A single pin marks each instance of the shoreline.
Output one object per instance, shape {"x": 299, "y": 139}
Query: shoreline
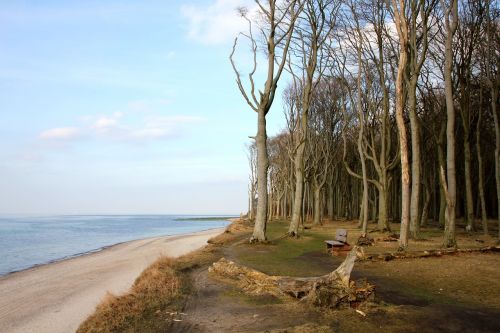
{"x": 100, "y": 249}
{"x": 35, "y": 299}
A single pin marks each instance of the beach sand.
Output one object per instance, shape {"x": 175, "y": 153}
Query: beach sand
{"x": 57, "y": 297}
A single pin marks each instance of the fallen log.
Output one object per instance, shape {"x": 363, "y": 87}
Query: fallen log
{"x": 332, "y": 290}
{"x": 425, "y": 254}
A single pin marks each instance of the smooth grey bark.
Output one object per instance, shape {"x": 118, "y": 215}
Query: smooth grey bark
{"x": 399, "y": 10}
{"x": 451, "y": 22}
{"x": 317, "y": 205}
{"x": 415, "y": 163}
{"x": 280, "y": 25}
{"x": 364, "y": 199}
{"x": 419, "y": 9}
{"x": 494, "y": 98}
{"x": 330, "y": 200}
{"x": 259, "y": 232}
{"x": 480, "y": 168}
{"x": 382, "y": 163}
{"x": 425, "y": 209}
{"x": 293, "y": 229}
{"x": 441, "y": 166}
{"x": 317, "y": 27}
{"x": 494, "y": 83}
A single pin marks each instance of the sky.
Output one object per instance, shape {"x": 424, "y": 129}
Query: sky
{"x": 123, "y": 107}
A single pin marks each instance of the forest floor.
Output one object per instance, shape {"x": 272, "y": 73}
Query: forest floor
{"x": 451, "y": 293}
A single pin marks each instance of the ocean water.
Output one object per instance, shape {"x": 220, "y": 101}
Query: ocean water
{"x": 30, "y": 241}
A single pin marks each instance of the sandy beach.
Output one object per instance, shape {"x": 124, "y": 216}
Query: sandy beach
{"x": 57, "y": 297}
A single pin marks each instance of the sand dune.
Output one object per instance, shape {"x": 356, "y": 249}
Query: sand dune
{"x": 57, "y": 297}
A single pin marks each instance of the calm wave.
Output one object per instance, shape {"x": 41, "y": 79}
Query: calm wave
{"x": 30, "y": 241}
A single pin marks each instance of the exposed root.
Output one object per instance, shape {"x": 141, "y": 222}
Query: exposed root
{"x": 332, "y": 290}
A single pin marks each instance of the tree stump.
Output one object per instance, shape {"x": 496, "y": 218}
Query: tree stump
{"x": 332, "y": 290}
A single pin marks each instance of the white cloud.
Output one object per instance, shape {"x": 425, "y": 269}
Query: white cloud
{"x": 218, "y": 23}
{"x": 112, "y": 128}
{"x": 60, "y": 133}
{"x": 104, "y": 123}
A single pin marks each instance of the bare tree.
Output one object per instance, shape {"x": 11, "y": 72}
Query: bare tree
{"x": 252, "y": 186}
{"x": 401, "y": 22}
{"x": 307, "y": 67}
{"x": 493, "y": 81}
{"x": 279, "y": 20}
{"x": 450, "y": 22}
{"x": 418, "y": 31}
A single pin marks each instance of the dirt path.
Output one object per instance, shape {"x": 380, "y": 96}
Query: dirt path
{"x": 57, "y": 297}
{"x": 400, "y": 305}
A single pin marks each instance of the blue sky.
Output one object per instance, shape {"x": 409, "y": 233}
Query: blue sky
{"x": 122, "y": 107}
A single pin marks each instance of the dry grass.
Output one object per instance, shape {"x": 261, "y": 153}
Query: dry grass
{"x": 232, "y": 232}
{"x": 157, "y": 294}
{"x": 155, "y": 291}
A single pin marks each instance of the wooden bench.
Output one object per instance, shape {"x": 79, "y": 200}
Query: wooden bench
{"x": 340, "y": 242}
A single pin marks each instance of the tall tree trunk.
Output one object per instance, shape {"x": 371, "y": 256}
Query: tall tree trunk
{"x": 401, "y": 24}
{"x": 405, "y": 165}
{"x": 364, "y": 199}
{"x": 494, "y": 98}
{"x": 250, "y": 204}
{"x": 317, "y": 205}
{"x": 465, "y": 115}
{"x": 293, "y": 229}
{"x": 425, "y": 209}
{"x": 449, "y": 230}
{"x": 270, "y": 198}
{"x": 480, "y": 170}
{"x": 259, "y": 231}
{"x": 329, "y": 200}
{"x": 383, "y": 223}
{"x": 494, "y": 82}
{"x": 415, "y": 161}
{"x": 469, "y": 203}
{"x": 441, "y": 166}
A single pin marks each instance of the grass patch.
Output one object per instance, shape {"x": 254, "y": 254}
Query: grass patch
{"x": 285, "y": 256}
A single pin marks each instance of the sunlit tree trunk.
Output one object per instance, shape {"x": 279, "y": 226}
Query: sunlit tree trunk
{"x": 451, "y": 22}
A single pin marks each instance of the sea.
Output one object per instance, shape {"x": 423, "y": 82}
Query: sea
{"x": 30, "y": 241}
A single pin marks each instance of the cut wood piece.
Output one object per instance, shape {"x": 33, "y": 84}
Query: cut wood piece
{"x": 332, "y": 290}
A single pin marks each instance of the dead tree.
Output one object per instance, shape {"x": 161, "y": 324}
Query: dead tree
{"x": 332, "y": 290}
{"x": 279, "y": 20}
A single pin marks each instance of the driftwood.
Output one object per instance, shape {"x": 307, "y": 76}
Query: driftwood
{"x": 332, "y": 290}
{"x": 426, "y": 254}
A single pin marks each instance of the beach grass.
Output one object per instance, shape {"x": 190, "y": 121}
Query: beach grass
{"x": 156, "y": 298}
{"x": 155, "y": 293}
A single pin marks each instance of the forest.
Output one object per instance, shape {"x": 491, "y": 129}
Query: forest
{"x": 391, "y": 113}
{"x": 390, "y": 143}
